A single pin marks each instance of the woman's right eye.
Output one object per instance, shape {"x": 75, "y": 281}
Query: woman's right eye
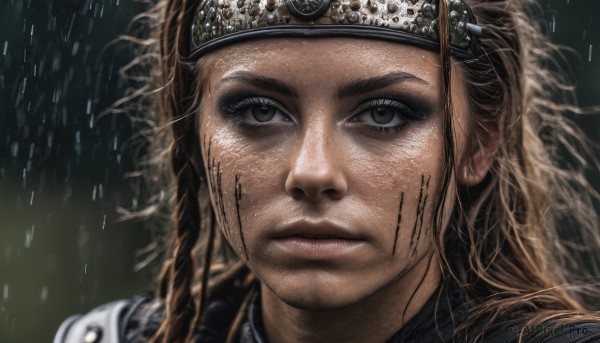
{"x": 254, "y": 111}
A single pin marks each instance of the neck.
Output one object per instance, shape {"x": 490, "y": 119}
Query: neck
{"x": 376, "y": 318}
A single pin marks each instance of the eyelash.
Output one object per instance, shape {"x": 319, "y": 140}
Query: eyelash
{"x": 234, "y": 107}
{"x": 406, "y": 112}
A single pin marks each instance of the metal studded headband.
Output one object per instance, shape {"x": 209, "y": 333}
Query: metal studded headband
{"x": 221, "y": 22}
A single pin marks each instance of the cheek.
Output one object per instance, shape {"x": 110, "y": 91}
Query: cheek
{"x": 226, "y": 188}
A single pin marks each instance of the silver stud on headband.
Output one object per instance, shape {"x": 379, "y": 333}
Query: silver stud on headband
{"x": 221, "y": 22}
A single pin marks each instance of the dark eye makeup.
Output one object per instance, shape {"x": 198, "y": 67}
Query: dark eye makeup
{"x": 382, "y": 115}
{"x": 388, "y": 115}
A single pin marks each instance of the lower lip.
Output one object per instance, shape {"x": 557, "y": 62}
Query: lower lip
{"x": 317, "y": 249}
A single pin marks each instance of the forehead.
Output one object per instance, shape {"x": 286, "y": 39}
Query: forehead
{"x": 331, "y": 59}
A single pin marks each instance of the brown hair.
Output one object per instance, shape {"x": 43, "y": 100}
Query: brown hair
{"x": 503, "y": 244}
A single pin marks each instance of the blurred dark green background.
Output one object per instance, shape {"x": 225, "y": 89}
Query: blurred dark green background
{"x": 62, "y": 168}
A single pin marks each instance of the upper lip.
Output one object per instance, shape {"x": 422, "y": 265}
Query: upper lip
{"x": 316, "y": 229}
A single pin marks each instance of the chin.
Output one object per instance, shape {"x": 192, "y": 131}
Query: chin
{"x": 316, "y": 295}
{"x": 316, "y": 302}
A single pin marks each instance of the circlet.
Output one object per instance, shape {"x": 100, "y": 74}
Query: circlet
{"x": 221, "y": 22}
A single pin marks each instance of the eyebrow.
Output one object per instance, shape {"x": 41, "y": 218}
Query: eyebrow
{"x": 358, "y": 87}
{"x": 351, "y": 88}
{"x": 264, "y": 82}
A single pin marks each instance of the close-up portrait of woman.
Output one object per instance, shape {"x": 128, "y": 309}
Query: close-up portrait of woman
{"x": 358, "y": 171}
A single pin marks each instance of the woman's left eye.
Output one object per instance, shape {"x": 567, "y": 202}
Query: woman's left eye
{"x": 262, "y": 113}
{"x": 385, "y": 114}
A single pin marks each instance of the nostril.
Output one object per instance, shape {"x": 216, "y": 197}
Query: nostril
{"x": 297, "y": 193}
{"x": 331, "y": 192}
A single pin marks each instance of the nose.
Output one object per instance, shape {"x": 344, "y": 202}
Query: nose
{"x": 315, "y": 173}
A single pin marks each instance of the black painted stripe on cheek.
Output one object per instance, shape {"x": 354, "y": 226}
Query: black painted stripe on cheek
{"x": 422, "y": 212}
{"x": 398, "y": 223}
{"x": 414, "y": 231}
{"x": 238, "y": 197}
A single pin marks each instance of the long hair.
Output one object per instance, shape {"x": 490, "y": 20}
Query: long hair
{"x": 503, "y": 246}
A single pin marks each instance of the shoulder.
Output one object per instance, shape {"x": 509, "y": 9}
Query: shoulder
{"x": 105, "y": 323}
{"x": 136, "y": 320}
{"x": 585, "y": 332}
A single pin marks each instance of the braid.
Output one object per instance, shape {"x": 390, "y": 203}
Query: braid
{"x": 175, "y": 284}
{"x": 180, "y": 305}
{"x": 176, "y": 101}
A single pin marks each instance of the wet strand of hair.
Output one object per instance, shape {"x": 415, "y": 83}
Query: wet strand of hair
{"x": 398, "y": 223}
{"x": 238, "y": 197}
{"x": 418, "y": 287}
{"x": 422, "y": 211}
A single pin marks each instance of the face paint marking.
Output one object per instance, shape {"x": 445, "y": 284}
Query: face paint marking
{"x": 422, "y": 211}
{"x": 238, "y": 197}
{"x": 220, "y": 193}
{"x": 414, "y": 230}
{"x": 398, "y": 224}
{"x": 216, "y": 189}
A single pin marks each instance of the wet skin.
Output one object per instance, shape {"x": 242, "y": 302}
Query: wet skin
{"x": 324, "y": 160}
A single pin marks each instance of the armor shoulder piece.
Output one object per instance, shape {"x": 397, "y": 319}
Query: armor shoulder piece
{"x": 104, "y": 324}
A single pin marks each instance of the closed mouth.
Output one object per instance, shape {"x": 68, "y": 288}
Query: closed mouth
{"x": 317, "y": 236}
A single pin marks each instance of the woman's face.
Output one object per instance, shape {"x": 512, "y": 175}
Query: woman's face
{"x": 324, "y": 160}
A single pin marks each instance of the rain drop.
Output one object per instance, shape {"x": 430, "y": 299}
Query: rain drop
{"x": 24, "y": 85}
{"x": 104, "y": 222}
{"x": 590, "y": 53}
{"x": 5, "y": 47}
{"x": 14, "y": 149}
{"x": 75, "y": 49}
{"x": 29, "y": 237}
{"x": 50, "y": 139}
{"x": 89, "y": 106}
{"x": 5, "y": 295}
{"x": 44, "y": 294}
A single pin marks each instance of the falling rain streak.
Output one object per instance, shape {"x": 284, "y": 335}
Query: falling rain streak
{"x": 64, "y": 172}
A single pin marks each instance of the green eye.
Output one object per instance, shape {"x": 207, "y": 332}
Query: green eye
{"x": 263, "y": 113}
{"x": 382, "y": 115}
